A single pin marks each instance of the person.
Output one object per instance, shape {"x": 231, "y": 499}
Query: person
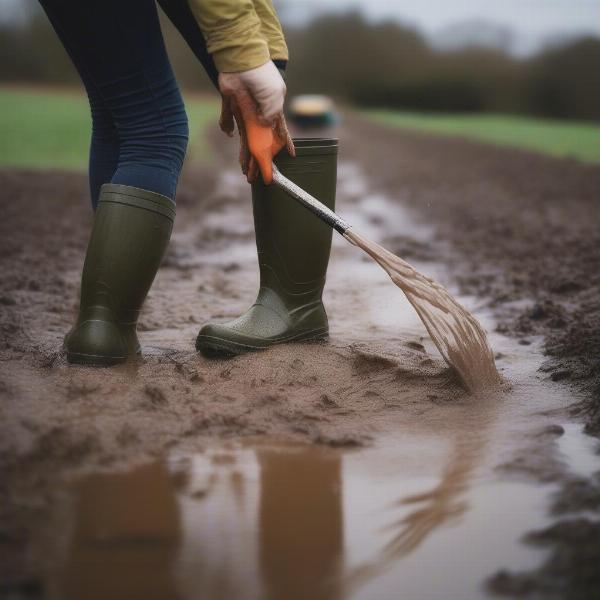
{"x": 138, "y": 144}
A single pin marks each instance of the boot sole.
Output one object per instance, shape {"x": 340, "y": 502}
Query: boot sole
{"x": 97, "y": 360}
{"x": 213, "y": 347}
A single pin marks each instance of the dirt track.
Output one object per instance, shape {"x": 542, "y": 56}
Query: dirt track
{"x": 518, "y": 230}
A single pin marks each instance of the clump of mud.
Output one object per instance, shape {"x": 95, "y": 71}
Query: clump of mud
{"x": 571, "y": 572}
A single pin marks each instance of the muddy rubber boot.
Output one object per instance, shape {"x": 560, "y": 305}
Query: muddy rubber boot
{"x": 131, "y": 231}
{"x": 293, "y": 252}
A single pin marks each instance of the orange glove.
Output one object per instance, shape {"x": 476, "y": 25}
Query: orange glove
{"x": 260, "y": 141}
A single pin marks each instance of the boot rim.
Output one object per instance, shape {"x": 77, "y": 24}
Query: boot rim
{"x": 137, "y": 197}
{"x": 313, "y": 146}
{"x": 315, "y": 141}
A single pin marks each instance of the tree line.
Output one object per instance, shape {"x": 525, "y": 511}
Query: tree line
{"x": 370, "y": 64}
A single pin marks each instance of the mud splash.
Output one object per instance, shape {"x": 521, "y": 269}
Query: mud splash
{"x": 455, "y": 331}
{"x": 458, "y": 335}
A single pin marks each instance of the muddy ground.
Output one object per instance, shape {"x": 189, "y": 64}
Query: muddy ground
{"x": 521, "y": 230}
{"x": 518, "y": 230}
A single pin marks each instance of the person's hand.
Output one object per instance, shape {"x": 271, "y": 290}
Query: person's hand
{"x": 255, "y": 96}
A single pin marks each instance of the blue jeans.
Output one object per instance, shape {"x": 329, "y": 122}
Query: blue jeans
{"x": 139, "y": 123}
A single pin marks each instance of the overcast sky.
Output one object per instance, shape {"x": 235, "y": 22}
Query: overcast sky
{"x": 534, "y": 19}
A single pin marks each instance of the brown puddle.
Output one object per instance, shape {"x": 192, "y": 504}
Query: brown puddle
{"x": 265, "y": 519}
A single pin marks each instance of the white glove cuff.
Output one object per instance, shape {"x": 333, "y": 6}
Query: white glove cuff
{"x": 267, "y": 87}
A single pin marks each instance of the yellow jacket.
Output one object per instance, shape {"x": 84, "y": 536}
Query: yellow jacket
{"x": 240, "y": 34}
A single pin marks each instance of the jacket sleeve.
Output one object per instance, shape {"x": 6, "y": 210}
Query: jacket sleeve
{"x": 271, "y": 29}
{"x": 240, "y": 34}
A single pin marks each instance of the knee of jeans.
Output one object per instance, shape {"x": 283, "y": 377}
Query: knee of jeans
{"x": 156, "y": 138}
{"x": 103, "y": 125}
{"x": 177, "y": 139}
{"x": 183, "y": 132}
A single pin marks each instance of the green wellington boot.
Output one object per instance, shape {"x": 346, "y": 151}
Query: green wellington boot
{"x": 131, "y": 231}
{"x": 293, "y": 252}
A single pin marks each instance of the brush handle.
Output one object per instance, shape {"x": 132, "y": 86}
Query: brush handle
{"x": 317, "y": 208}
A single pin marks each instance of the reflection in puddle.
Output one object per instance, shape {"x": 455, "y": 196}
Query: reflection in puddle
{"x": 300, "y": 520}
{"x": 287, "y": 521}
{"x": 423, "y": 512}
{"x": 125, "y": 539}
{"x": 267, "y": 524}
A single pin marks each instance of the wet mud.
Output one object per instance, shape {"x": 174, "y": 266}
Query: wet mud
{"x": 378, "y": 386}
{"x": 520, "y": 229}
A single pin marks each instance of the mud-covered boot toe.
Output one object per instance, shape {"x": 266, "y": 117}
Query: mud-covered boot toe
{"x": 255, "y": 330}
{"x": 220, "y": 341}
{"x": 263, "y": 325}
{"x": 95, "y": 342}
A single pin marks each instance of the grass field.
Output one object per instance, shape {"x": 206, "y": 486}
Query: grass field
{"x": 558, "y": 138}
{"x": 51, "y": 129}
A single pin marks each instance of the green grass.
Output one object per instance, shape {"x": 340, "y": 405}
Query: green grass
{"x": 577, "y": 139}
{"x": 201, "y": 114}
{"x": 51, "y": 129}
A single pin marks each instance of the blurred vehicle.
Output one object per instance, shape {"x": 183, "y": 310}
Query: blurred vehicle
{"x": 309, "y": 111}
